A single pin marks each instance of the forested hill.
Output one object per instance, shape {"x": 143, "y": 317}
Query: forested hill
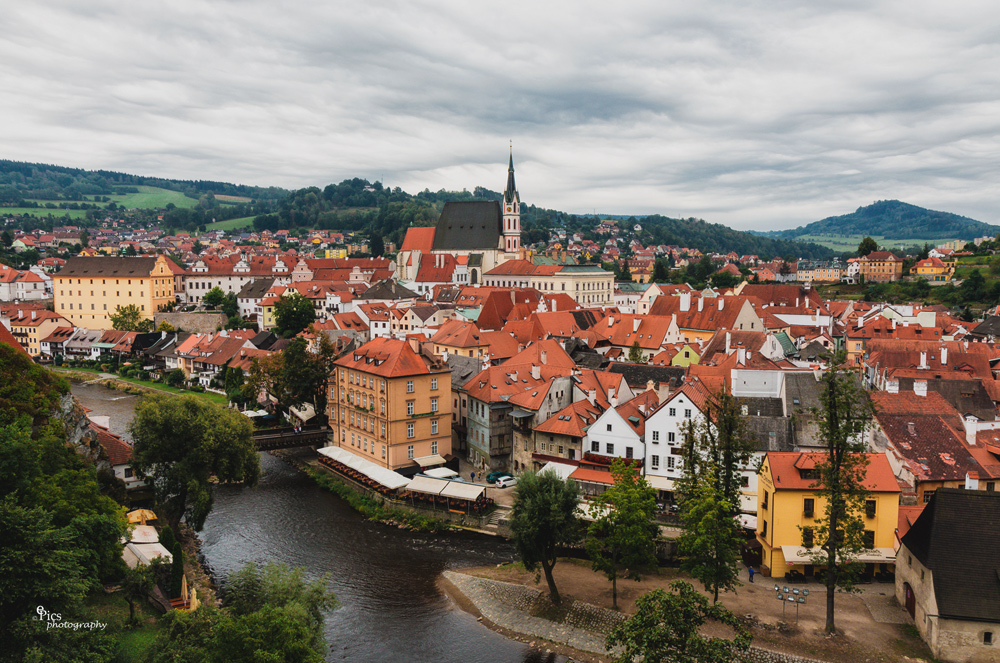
{"x": 20, "y": 181}
{"x": 723, "y": 239}
{"x": 892, "y": 219}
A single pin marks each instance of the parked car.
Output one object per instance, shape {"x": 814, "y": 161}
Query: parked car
{"x": 493, "y": 476}
{"x": 507, "y": 481}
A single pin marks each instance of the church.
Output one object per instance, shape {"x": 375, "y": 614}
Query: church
{"x": 470, "y": 238}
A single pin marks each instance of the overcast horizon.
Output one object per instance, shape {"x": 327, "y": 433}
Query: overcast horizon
{"x": 761, "y": 117}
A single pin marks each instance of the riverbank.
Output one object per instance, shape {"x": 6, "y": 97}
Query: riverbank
{"x": 127, "y": 385}
{"x": 510, "y": 601}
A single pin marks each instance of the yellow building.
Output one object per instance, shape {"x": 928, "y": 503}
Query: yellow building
{"x": 391, "y": 405}
{"x": 30, "y": 326}
{"x": 789, "y": 508}
{"x": 335, "y": 253}
{"x": 934, "y": 269}
{"x": 686, "y": 356}
{"x": 89, "y": 290}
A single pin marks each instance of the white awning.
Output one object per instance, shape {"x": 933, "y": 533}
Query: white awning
{"x": 441, "y": 473}
{"x": 748, "y": 503}
{"x": 144, "y": 534}
{"x": 426, "y": 485}
{"x": 800, "y": 555}
{"x": 305, "y": 413}
{"x": 660, "y": 483}
{"x": 386, "y": 477}
{"x": 144, "y": 553}
{"x": 430, "y": 461}
{"x": 747, "y": 521}
{"x": 463, "y": 491}
{"x": 562, "y": 470}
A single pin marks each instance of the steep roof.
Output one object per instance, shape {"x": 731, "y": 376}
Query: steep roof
{"x": 389, "y": 357}
{"x": 787, "y": 466}
{"x": 955, "y": 537}
{"x": 418, "y": 239}
{"x": 929, "y": 447}
{"x": 8, "y": 338}
{"x": 107, "y": 267}
{"x": 469, "y": 226}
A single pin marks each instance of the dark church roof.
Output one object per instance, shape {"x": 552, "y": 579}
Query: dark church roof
{"x": 469, "y": 226}
{"x": 955, "y": 537}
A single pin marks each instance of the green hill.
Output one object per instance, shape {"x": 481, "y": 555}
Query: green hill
{"x": 895, "y": 222}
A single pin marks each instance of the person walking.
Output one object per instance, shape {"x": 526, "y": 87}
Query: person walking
{"x": 751, "y": 571}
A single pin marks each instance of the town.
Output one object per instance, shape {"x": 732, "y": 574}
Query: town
{"x": 463, "y": 360}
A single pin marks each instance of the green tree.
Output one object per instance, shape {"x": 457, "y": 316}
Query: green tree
{"x": 710, "y": 542}
{"x": 624, "y": 272}
{"x": 138, "y": 582}
{"x": 292, "y": 314}
{"x": 661, "y": 273}
{"x": 544, "y": 518}
{"x": 844, "y": 416}
{"x": 84, "y": 238}
{"x": 7, "y": 237}
{"x": 181, "y": 443}
{"x": 214, "y": 297}
{"x": 867, "y": 245}
{"x": 376, "y": 246}
{"x": 230, "y": 305}
{"x": 622, "y": 537}
{"x": 635, "y": 353}
{"x": 667, "y": 628}
{"x": 175, "y": 378}
{"x": 165, "y": 327}
{"x": 129, "y": 318}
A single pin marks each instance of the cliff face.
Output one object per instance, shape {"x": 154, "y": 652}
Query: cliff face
{"x": 79, "y": 434}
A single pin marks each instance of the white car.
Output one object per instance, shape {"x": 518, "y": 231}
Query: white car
{"x": 504, "y": 482}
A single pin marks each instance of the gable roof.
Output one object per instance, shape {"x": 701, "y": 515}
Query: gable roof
{"x": 468, "y": 226}
{"x": 786, "y": 466}
{"x": 955, "y": 537}
{"x": 389, "y": 357}
{"x": 418, "y": 239}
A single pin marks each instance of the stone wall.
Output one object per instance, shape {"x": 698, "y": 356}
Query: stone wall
{"x": 200, "y": 323}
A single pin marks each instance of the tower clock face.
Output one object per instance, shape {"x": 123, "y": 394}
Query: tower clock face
{"x": 508, "y": 208}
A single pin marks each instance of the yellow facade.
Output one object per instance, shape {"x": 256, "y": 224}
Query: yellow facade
{"x": 783, "y": 513}
{"x": 391, "y": 421}
{"x": 29, "y": 333}
{"x": 930, "y": 272}
{"x": 87, "y": 297}
{"x": 685, "y": 357}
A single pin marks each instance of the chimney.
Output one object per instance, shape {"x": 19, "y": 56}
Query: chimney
{"x": 728, "y": 340}
{"x": 611, "y": 393}
{"x": 722, "y": 303}
{"x": 741, "y": 356}
{"x": 614, "y": 401}
{"x": 701, "y": 304}
{"x": 892, "y": 386}
{"x": 611, "y": 321}
{"x": 553, "y": 304}
{"x": 923, "y": 360}
{"x": 686, "y": 301}
{"x": 636, "y": 321}
{"x": 514, "y": 376}
{"x": 920, "y": 387}
{"x": 944, "y": 356}
{"x": 592, "y": 396}
{"x": 542, "y": 356}
{"x": 444, "y": 356}
{"x": 536, "y": 372}
{"x": 33, "y": 313}
{"x": 894, "y": 324}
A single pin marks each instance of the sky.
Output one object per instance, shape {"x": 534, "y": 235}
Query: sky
{"x": 758, "y": 115}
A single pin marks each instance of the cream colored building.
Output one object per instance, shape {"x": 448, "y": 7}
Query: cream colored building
{"x": 89, "y": 290}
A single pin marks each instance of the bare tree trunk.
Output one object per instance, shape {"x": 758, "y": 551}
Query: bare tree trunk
{"x": 553, "y": 592}
{"x": 614, "y": 591}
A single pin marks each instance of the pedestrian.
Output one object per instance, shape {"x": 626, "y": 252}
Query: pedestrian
{"x": 751, "y": 574}
{"x": 473, "y": 474}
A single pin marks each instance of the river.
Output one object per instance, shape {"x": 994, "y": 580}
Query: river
{"x": 385, "y": 579}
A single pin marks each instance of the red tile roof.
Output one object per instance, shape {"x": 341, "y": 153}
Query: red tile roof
{"x": 390, "y": 358}
{"x": 785, "y": 471}
{"x": 419, "y": 239}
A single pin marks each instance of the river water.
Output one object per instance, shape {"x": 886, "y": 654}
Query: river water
{"x": 385, "y": 579}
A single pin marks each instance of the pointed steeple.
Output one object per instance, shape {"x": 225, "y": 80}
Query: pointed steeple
{"x": 511, "y": 193}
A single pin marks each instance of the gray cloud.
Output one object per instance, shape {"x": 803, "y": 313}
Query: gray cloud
{"x": 756, "y": 116}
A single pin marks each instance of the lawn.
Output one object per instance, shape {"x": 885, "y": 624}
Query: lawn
{"x": 231, "y": 224}
{"x": 850, "y": 242}
{"x": 151, "y": 197}
{"x": 112, "y": 610}
{"x": 43, "y": 212}
{"x": 218, "y": 399}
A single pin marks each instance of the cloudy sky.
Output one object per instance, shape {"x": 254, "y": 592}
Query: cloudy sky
{"x": 754, "y": 114}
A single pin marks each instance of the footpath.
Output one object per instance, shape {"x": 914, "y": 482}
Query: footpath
{"x": 507, "y": 606}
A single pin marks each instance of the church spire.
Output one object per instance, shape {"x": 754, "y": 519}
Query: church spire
{"x": 511, "y": 193}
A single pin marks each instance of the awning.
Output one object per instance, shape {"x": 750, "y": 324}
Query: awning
{"x": 521, "y": 414}
{"x": 800, "y": 555}
{"x": 426, "y": 485}
{"x": 305, "y": 413}
{"x": 441, "y": 473}
{"x": 144, "y": 534}
{"x": 660, "y": 483}
{"x": 386, "y": 477}
{"x": 748, "y": 503}
{"x": 140, "y": 516}
{"x": 584, "y": 475}
{"x": 463, "y": 491}
{"x": 430, "y": 461}
{"x": 562, "y": 470}
{"x": 748, "y": 522}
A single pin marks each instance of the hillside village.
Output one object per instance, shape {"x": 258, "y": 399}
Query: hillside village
{"x": 468, "y": 347}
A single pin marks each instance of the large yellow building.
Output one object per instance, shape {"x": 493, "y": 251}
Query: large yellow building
{"x": 789, "y": 508}
{"x": 391, "y": 405}
{"x": 30, "y": 326}
{"x": 89, "y": 290}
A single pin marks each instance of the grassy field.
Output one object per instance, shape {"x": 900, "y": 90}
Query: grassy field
{"x": 151, "y": 197}
{"x": 850, "y": 242}
{"x": 43, "y": 212}
{"x": 218, "y": 399}
{"x": 112, "y": 610}
{"x": 231, "y": 224}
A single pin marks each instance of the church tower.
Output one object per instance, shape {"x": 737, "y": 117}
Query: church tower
{"x": 511, "y": 212}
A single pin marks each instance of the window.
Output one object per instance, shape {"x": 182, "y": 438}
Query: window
{"x": 409, "y": 451}
{"x": 671, "y": 437}
{"x": 628, "y": 452}
{"x": 927, "y": 496}
{"x": 409, "y": 408}
{"x": 764, "y": 505}
{"x": 434, "y": 429}
{"x": 655, "y": 462}
{"x": 434, "y": 384}
{"x": 763, "y": 529}
{"x": 409, "y": 386}
{"x": 434, "y": 405}
{"x": 808, "y": 505}
{"x": 869, "y": 539}
{"x": 595, "y": 446}
{"x": 610, "y": 449}
{"x": 128, "y": 472}
{"x": 673, "y": 412}
{"x": 687, "y": 414}
{"x": 609, "y": 428}
{"x": 807, "y": 537}
{"x": 745, "y": 481}
{"x": 434, "y": 446}
{"x": 870, "y": 508}
{"x": 987, "y": 637}
{"x": 409, "y": 431}
{"x": 656, "y": 436}
{"x": 671, "y": 462}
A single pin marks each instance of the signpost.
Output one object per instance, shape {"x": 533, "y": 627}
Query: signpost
{"x": 786, "y": 596}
